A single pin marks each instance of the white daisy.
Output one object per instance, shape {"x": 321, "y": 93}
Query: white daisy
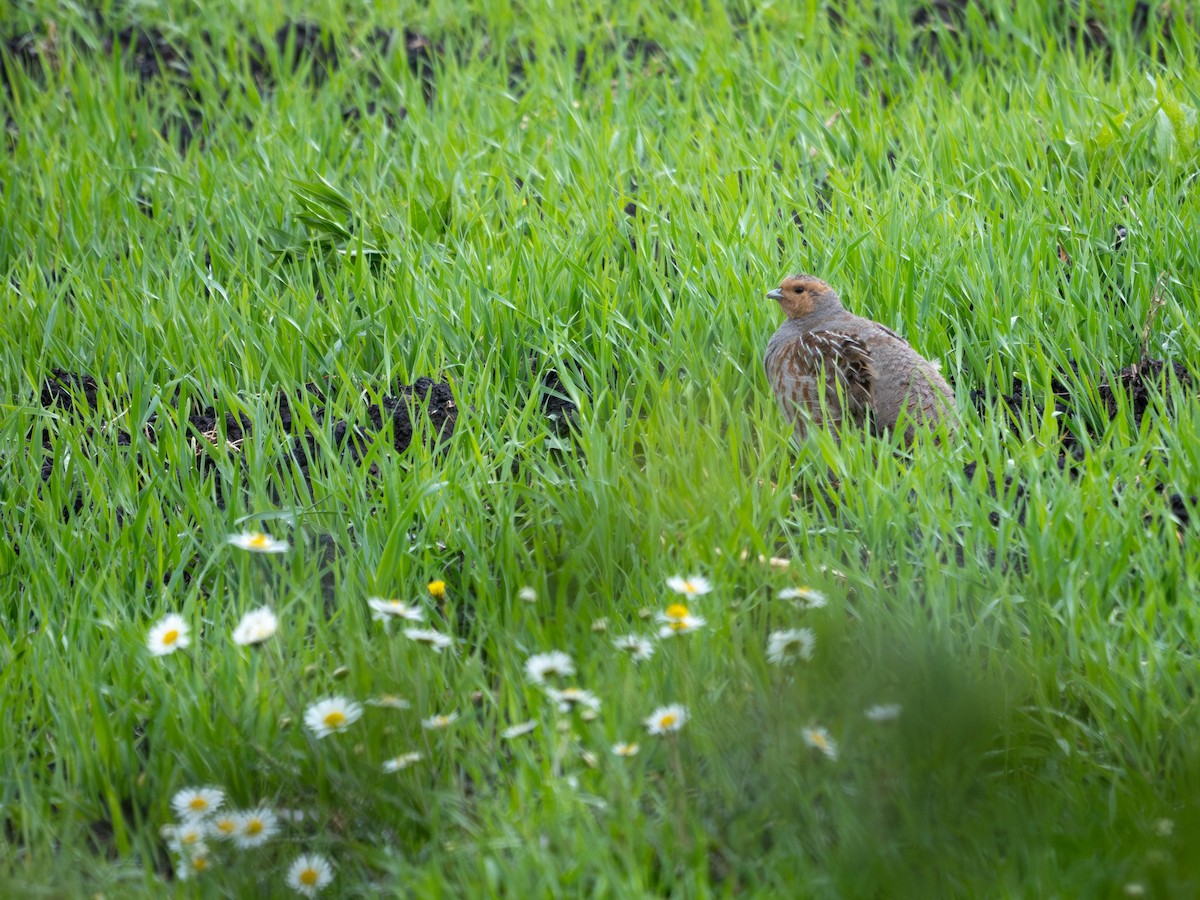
{"x": 197, "y": 802}
{"x": 255, "y": 827}
{"x": 196, "y": 860}
{"x": 639, "y": 648}
{"x": 331, "y": 714}
{"x": 625, "y": 749}
{"x": 785, "y": 647}
{"x": 667, "y": 719}
{"x": 224, "y": 825}
{"x": 310, "y": 874}
{"x": 691, "y": 586}
{"x": 884, "y": 712}
{"x": 389, "y": 701}
{"x": 435, "y": 723}
{"x": 819, "y": 739}
{"x": 187, "y": 835}
{"x": 435, "y": 640}
{"x": 256, "y": 626}
{"x": 257, "y": 542}
{"x": 804, "y": 597}
{"x": 403, "y": 761}
{"x": 572, "y": 698}
{"x": 554, "y": 664}
{"x": 383, "y": 609}
{"x": 677, "y": 620}
{"x": 169, "y": 635}
{"x": 515, "y": 731}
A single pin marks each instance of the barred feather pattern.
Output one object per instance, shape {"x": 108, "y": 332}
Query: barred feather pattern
{"x": 849, "y": 372}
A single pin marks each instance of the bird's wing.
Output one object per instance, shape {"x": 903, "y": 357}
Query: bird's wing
{"x": 794, "y": 368}
{"x": 887, "y": 330}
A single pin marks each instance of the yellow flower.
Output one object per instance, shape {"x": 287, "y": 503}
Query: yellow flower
{"x": 677, "y": 620}
{"x": 437, "y": 589}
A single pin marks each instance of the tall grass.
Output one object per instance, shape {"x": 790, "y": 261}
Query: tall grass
{"x": 606, "y": 192}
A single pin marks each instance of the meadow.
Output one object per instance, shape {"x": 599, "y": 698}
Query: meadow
{"x": 463, "y": 305}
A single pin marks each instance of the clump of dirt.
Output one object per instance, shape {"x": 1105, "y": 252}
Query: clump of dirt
{"x": 151, "y": 53}
{"x": 1136, "y": 384}
{"x": 424, "y": 410}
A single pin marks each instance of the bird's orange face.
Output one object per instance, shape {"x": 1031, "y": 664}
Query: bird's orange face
{"x": 798, "y": 295}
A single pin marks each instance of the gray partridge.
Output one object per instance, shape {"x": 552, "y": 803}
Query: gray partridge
{"x": 830, "y": 367}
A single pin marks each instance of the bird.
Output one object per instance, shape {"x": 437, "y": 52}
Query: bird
{"x": 829, "y": 367}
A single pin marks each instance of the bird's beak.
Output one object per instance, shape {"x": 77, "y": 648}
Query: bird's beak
{"x": 776, "y": 294}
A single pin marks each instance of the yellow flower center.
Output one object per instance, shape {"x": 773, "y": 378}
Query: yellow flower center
{"x": 308, "y": 877}
{"x": 441, "y": 721}
{"x": 819, "y": 739}
{"x": 168, "y": 639}
{"x": 253, "y": 827}
{"x": 677, "y": 611}
{"x": 668, "y": 720}
{"x": 335, "y": 718}
{"x": 226, "y": 826}
{"x": 199, "y": 863}
{"x": 258, "y": 540}
{"x": 191, "y": 837}
{"x": 198, "y": 804}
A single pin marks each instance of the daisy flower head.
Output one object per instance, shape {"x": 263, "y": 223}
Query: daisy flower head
{"x": 436, "y": 723}
{"x": 310, "y": 874}
{"x": 434, "y": 640}
{"x": 403, "y": 761}
{"x": 515, "y": 731}
{"x": 677, "y": 620}
{"x": 554, "y": 664}
{"x": 803, "y": 597}
{"x": 255, "y": 828}
{"x": 197, "y": 802}
{"x": 258, "y": 542}
{"x": 224, "y": 826}
{"x": 883, "y": 712}
{"x": 437, "y": 589}
{"x": 667, "y": 719}
{"x": 625, "y": 749}
{"x": 256, "y": 626}
{"x": 571, "y": 698}
{"x": 189, "y": 834}
{"x": 383, "y": 608}
{"x": 389, "y": 701}
{"x": 819, "y": 739}
{"x": 194, "y": 861}
{"x": 330, "y": 715}
{"x": 691, "y": 586}
{"x": 169, "y": 635}
{"x": 639, "y": 648}
{"x": 787, "y": 646}
{"x": 527, "y": 595}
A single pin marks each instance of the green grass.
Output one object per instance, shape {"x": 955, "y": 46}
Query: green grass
{"x": 939, "y": 175}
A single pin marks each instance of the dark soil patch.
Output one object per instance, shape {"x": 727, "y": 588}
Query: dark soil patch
{"x": 150, "y": 53}
{"x": 1136, "y": 383}
{"x": 421, "y": 52}
{"x": 424, "y": 410}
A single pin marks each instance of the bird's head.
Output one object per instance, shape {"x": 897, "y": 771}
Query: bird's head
{"x": 799, "y": 295}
